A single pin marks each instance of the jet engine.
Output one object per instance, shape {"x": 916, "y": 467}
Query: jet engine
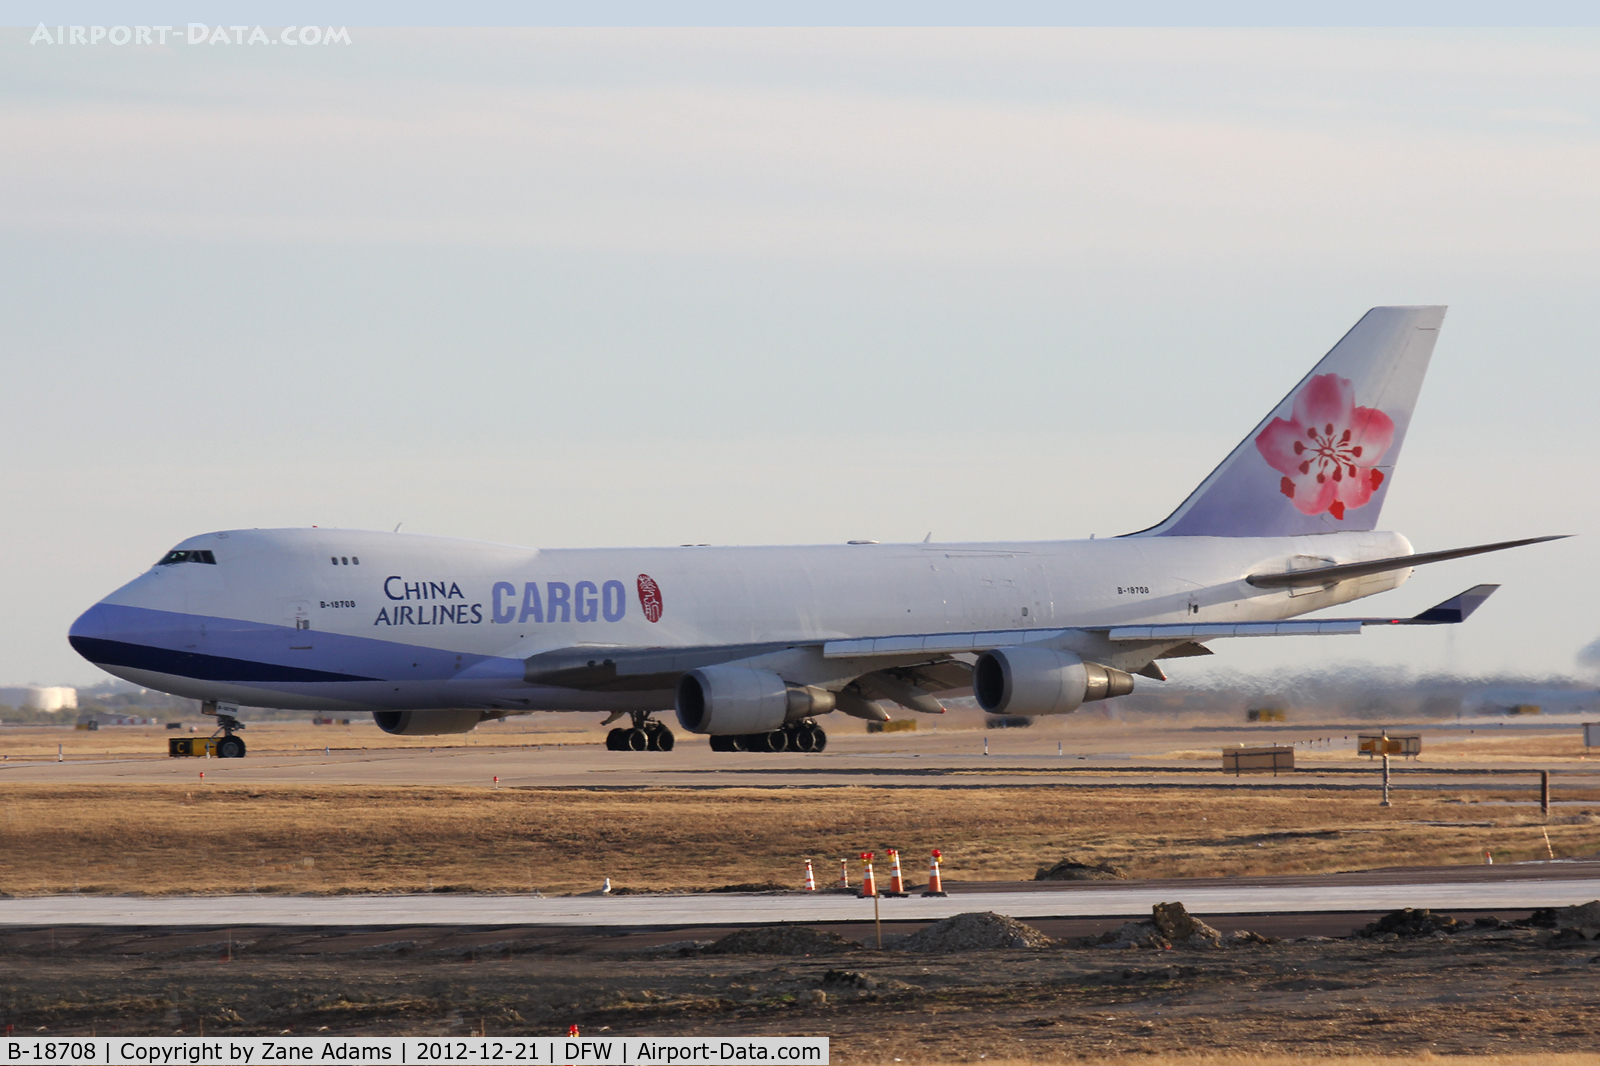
{"x": 1032, "y": 681}
{"x": 728, "y": 700}
{"x": 428, "y": 723}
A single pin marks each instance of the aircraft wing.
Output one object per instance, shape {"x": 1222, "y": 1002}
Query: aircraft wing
{"x": 623, "y": 669}
{"x": 603, "y": 668}
{"x": 1455, "y": 609}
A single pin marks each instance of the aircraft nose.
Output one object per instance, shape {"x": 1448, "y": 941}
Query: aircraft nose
{"x": 91, "y": 630}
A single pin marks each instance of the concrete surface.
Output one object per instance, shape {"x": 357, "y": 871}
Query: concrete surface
{"x": 1519, "y": 886}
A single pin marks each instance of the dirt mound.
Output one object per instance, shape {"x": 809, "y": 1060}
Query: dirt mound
{"x": 755, "y": 886}
{"x": 974, "y": 931}
{"x": 1583, "y": 916}
{"x": 1179, "y": 926}
{"x": 1410, "y": 922}
{"x": 1141, "y": 934}
{"x": 782, "y": 940}
{"x": 855, "y": 979}
{"x": 1571, "y": 924}
{"x": 1070, "y": 869}
{"x": 1169, "y": 925}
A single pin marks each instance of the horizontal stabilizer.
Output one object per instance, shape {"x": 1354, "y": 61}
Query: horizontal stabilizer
{"x": 1452, "y": 611}
{"x": 1328, "y": 575}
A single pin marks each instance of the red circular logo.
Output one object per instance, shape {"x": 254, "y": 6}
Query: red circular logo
{"x": 650, "y": 597}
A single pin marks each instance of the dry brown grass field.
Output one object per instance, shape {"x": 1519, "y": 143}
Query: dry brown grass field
{"x": 1484, "y": 749}
{"x": 1532, "y": 751}
{"x": 324, "y": 839}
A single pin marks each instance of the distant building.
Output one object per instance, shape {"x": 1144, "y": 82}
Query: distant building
{"x": 105, "y": 718}
{"x": 40, "y": 697}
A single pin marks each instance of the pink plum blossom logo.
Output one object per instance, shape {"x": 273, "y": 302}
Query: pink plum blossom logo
{"x": 1329, "y": 450}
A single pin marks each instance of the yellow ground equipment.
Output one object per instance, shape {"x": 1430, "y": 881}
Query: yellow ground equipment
{"x": 227, "y": 746}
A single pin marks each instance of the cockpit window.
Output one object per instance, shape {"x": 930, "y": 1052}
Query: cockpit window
{"x": 187, "y": 557}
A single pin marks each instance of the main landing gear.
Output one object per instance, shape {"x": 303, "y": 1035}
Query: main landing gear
{"x": 806, "y": 736}
{"x": 647, "y": 734}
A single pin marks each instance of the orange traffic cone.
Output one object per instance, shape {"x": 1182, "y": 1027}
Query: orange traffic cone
{"x": 844, "y": 873}
{"x": 935, "y": 885}
{"x": 869, "y": 886}
{"x": 572, "y": 1030}
{"x": 811, "y": 882}
{"x": 897, "y": 883}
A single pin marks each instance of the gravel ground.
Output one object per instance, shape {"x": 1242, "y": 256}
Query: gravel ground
{"x": 1499, "y": 989}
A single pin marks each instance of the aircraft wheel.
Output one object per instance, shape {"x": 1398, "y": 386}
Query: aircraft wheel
{"x": 775, "y": 741}
{"x": 615, "y": 740}
{"x": 739, "y": 742}
{"x": 636, "y": 739}
{"x": 230, "y": 748}
{"x": 664, "y": 740}
{"x": 819, "y": 739}
{"x": 721, "y": 743}
{"x": 804, "y": 739}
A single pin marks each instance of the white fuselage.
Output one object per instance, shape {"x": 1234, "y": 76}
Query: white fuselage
{"x": 344, "y": 619}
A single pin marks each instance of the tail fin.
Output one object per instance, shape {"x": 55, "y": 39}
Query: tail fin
{"x": 1323, "y": 460}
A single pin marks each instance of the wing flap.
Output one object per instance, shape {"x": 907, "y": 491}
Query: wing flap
{"x": 936, "y": 643}
{"x": 1214, "y": 630}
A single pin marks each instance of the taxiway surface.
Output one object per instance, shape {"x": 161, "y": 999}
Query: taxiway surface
{"x": 1516, "y": 886}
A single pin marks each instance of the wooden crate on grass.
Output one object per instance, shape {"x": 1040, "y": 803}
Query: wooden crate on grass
{"x": 1257, "y": 760}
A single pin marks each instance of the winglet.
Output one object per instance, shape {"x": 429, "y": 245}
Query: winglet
{"x": 1456, "y": 609}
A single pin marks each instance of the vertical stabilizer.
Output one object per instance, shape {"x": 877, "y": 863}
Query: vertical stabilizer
{"x": 1323, "y": 460}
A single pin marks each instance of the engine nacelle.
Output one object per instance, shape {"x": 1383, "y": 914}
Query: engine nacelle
{"x": 729, "y": 700}
{"x": 1032, "y": 681}
{"x": 428, "y": 723}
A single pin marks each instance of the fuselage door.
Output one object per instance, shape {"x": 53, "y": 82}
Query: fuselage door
{"x": 300, "y": 626}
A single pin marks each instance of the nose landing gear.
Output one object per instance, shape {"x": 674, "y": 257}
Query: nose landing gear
{"x": 647, "y": 734}
{"x": 230, "y": 746}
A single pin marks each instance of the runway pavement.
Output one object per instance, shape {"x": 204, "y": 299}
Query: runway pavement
{"x": 693, "y": 765}
{"x": 1517, "y": 886}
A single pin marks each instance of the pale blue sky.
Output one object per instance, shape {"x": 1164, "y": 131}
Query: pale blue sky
{"x": 571, "y": 287}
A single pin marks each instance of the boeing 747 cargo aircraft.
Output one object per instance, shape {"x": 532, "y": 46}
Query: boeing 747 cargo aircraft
{"x": 753, "y": 645}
